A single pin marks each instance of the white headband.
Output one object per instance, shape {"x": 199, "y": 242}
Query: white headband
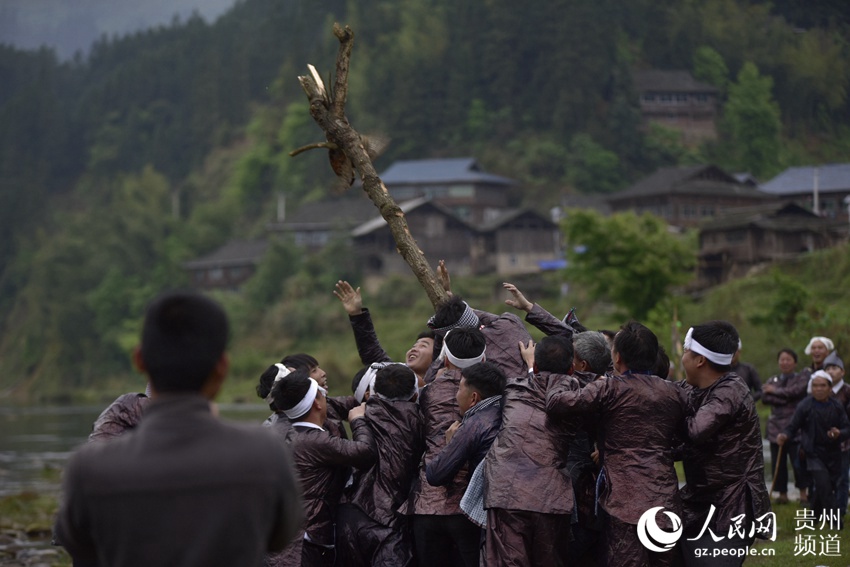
{"x": 818, "y": 374}
{"x": 717, "y": 358}
{"x": 306, "y": 402}
{"x": 460, "y": 362}
{"x": 282, "y": 372}
{"x": 367, "y": 380}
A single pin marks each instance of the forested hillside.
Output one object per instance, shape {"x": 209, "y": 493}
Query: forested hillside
{"x": 161, "y": 145}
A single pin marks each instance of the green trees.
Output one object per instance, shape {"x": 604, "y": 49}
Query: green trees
{"x": 632, "y": 261}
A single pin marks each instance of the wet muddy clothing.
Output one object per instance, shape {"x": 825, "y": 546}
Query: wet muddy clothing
{"x": 122, "y": 415}
{"x": 202, "y": 492}
{"x": 723, "y": 456}
{"x": 639, "y": 416}
{"x": 374, "y": 533}
{"x": 548, "y": 323}
{"x": 366, "y": 339}
{"x": 323, "y": 464}
{"x": 528, "y": 492}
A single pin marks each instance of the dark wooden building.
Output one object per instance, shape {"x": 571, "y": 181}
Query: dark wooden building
{"x": 831, "y": 184}
{"x": 228, "y": 267}
{"x": 676, "y": 100}
{"x": 731, "y": 245}
{"x": 685, "y": 196}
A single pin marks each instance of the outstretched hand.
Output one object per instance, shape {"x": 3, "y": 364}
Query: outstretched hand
{"x": 350, "y": 297}
{"x": 527, "y": 353}
{"x": 519, "y": 301}
{"x": 443, "y": 277}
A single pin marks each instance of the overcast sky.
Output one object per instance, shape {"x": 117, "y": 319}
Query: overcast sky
{"x": 71, "y": 25}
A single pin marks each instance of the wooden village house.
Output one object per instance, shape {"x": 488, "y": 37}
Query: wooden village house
{"x": 676, "y": 100}
{"x": 824, "y": 189}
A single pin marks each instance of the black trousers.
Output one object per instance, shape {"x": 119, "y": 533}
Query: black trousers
{"x": 445, "y": 541}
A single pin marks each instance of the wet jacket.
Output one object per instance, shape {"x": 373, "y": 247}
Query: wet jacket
{"x": 439, "y": 410}
{"x": 723, "y": 455}
{"x": 122, "y": 415}
{"x": 381, "y": 489}
{"x": 469, "y": 444}
{"x": 322, "y": 462}
{"x": 790, "y": 389}
{"x": 526, "y": 466}
{"x": 814, "y": 419}
{"x": 548, "y": 323}
{"x": 366, "y": 339}
{"x": 338, "y": 408}
{"x": 639, "y": 417}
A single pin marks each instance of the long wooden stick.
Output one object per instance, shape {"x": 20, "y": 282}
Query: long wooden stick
{"x": 779, "y": 458}
{"x": 329, "y": 114}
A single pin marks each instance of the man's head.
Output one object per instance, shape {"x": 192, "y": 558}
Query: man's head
{"x": 554, "y": 354}
{"x": 309, "y": 363}
{"x": 464, "y": 346}
{"x": 396, "y": 382}
{"x": 479, "y": 382}
{"x": 184, "y": 337}
{"x": 592, "y": 352}
{"x": 834, "y": 366}
{"x": 821, "y": 385}
{"x": 818, "y": 348}
{"x": 635, "y": 349}
{"x": 300, "y": 397}
{"x": 421, "y": 354}
{"x": 454, "y": 313}
{"x": 708, "y": 351}
{"x": 787, "y": 360}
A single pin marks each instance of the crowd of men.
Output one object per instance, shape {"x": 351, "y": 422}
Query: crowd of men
{"x": 480, "y": 448}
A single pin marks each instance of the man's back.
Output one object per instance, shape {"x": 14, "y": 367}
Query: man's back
{"x": 184, "y": 488}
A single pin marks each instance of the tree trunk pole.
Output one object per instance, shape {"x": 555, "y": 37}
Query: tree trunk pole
{"x": 329, "y": 114}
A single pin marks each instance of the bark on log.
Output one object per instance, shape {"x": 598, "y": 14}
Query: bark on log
{"x": 328, "y": 110}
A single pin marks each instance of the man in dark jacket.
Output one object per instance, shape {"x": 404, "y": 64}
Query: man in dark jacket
{"x": 528, "y": 494}
{"x": 442, "y": 535}
{"x": 370, "y": 532}
{"x": 184, "y": 487}
{"x": 638, "y": 417}
{"x": 323, "y": 464}
{"x": 724, "y": 495}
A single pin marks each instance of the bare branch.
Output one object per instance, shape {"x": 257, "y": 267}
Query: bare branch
{"x": 340, "y": 135}
{"x": 314, "y": 146}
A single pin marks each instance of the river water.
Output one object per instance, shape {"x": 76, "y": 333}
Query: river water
{"x": 35, "y": 442}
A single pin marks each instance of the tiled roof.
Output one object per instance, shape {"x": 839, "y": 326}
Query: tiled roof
{"x": 234, "y": 253}
{"x": 657, "y": 80}
{"x": 831, "y": 178}
{"x": 779, "y": 216}
{"x": 696, "y": 179}
{"x": 432, "y": 171}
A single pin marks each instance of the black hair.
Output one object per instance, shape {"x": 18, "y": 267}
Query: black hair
{"x": 554, "y": 354}
{"x": 789, "y": 351}
{"x": 264, "y": 387}
{"x": 717, "y": 336}
{"x": 593, "y": 348}
{"x": 662, "y": 365}
{"x": 396, "y": 381}
{"x": 485, "y": 378}
{"x": 287, "y": 393}
{"x": 300, "y": 360}
{"x": 427, "y": 334}
{"x": 466, "y": 342}
{"x": 184, "y": 336}
{"x": 356, "y": 380}
{"x": 448, "y": 312}
{"x": 637, "y": 347}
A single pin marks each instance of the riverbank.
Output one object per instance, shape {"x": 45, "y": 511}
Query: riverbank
{"x": 26, "y": 522}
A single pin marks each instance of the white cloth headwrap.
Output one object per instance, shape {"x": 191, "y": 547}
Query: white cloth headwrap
{"x": 467, "y": 319}
{"x": 446, "y": 354}
{"x": 282, "y": 372}
{"x": 717, "y": 358}
{"x": 826, "y": 342}
{"x": 367, "y": 380}
{"x": 818, "y": 374}
{"x": 306, "y": 402}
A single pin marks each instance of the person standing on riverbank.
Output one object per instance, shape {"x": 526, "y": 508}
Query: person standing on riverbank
{"x": 183, "y": 488}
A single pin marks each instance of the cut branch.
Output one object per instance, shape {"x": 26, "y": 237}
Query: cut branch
{"x": 330, "y": 116}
